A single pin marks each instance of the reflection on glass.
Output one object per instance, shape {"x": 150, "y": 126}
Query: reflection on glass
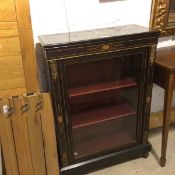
{"x": 171, "y": 16}
{"x": 103, "y": 98}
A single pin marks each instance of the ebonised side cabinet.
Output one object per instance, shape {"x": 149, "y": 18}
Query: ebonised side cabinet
{"x": 101, "y": 87}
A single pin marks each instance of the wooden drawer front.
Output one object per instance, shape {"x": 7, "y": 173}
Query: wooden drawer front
{"x": 11, "y": 72}
{"x": 9, "y": 46}
{"x": 7, "y": 10}
{"x": 102, "y": 47}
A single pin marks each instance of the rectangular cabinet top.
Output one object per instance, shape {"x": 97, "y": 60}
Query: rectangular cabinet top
{"x": 66, "y": 38}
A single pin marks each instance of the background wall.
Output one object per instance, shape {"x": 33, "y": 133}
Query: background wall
{"x": 54, "y": 16}
{"x": 57, "y": 16}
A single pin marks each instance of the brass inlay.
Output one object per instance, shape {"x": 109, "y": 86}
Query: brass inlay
{"x": 95, "y": 49}
{"x": 53, "y": 67}
{"x": 148, "y": 100}
{"x": 89, "y": 54}
{"x": 60, "y": 119}
{"x": 152, "y": 54}
{"x": 65, "y": 159}
{"x": 105, "y": 47}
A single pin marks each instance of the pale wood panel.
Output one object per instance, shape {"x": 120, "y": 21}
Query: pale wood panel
{"x": 35, "y": 135}
{"x": 7, "y": 10}
{"x": 49, "y": 136}
{"x": 12, "y": 92}
{"x": 11, "y": 72}
{"x": 8, "y": 25}
{"x": 30, "y": 138}
{"x": 29, "y": 61}
{"x": 156, "y": 119}
{"x": 23, "y": 14}
{"x": 27, "y": 44}
{"x": 3, "y": 141}
{"x": 8, "y": 33}
{"x": 21, "y": 137}
{"x": 4, "y": 172}
{"x": 7, "y": 141}
{"x": 10, "y": 46}
{"x": 17, "y": 83}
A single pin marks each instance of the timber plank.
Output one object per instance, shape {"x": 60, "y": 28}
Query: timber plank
{"x": 7, "y": 141}
{"x": 21, "y": 137}
{"x": 7, "y": 10}
{"x": 35, "y": 135}
{"x": 50, "y": 146}
{"x": 8, "y": 25}
{"x": 11, "y": 72}
{"x": 10, "y": 46}
{"x": 23, "y": 14}
{"x": 8, "y": 33}
{"x": 12, "y": 92}
{"x": 29, "y": 61}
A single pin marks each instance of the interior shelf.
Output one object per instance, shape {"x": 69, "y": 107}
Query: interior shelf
{"x": 109, "y": 142}
{"x": 101, "y": 87}
{"x": 101, "y": 115}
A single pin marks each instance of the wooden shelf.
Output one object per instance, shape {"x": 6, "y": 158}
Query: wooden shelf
{"x": 96, "y": 145}
{"x": 101, "y": 87}
{"x": 101, "y": 115}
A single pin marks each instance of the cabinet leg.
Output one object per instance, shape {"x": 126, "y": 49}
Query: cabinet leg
{"x": 166, "y": 117}
{"x": 162, "y": 162}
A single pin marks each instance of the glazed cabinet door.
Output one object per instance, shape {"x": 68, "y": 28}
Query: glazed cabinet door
{"x": 103, "y": 102}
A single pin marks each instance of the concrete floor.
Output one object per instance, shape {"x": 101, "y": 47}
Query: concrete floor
{"x": 149, "y": 166}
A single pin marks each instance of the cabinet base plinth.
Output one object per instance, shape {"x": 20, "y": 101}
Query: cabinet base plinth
{"x": 106, "y": 160}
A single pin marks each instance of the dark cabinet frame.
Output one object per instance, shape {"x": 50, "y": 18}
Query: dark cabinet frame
{"x": 58, "y": 56}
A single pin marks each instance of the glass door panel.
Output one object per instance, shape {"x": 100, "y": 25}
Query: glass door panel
{"x": 103, "y": 97}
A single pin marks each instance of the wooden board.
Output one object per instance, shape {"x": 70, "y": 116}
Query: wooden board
{"x": 29, "y": 61}
{"x": 27, "y": 44}
{"x": 12, "y": 92}
{"x": 4, "y": 172}
{"x": 49, "y": 136}
{"x": 23, "y": 14}
{"x": 15, "y": 15}
{"x": 11, "y": 72}
{"x": 35, "y": 135}
{"x": 28, "y": 136}
{"x": 7, "y": 10}
{"x": 21, "y": 137}
{"x": 8, "y": 33}
{"x": 8, "y": 25}
{"x": 7, "y": 141}
{"x": 9, "y": 46}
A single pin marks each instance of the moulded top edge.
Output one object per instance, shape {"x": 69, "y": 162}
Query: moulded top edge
{"x": 63, "y": 38}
